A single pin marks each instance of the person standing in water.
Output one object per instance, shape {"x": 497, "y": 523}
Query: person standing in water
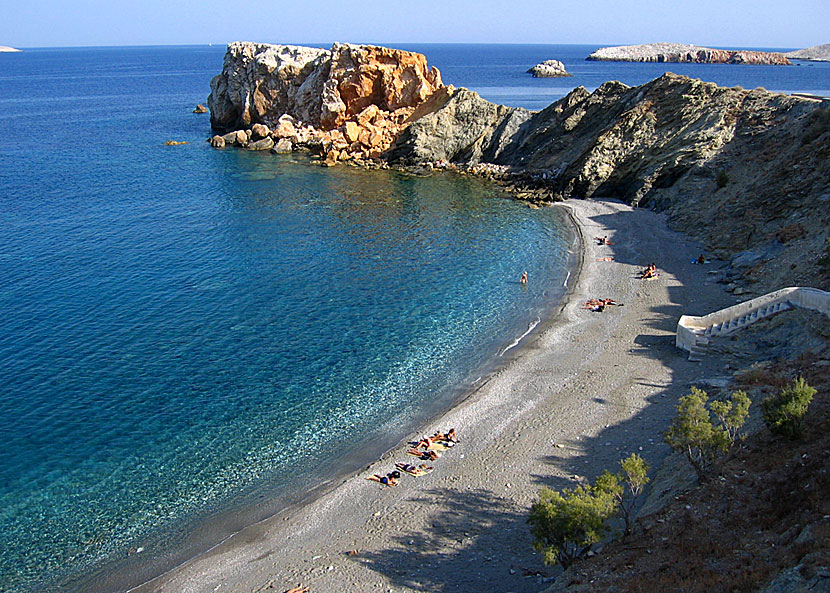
{"x": 523, "y": 279}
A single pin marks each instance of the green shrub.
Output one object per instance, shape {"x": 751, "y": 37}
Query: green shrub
{"x": 783, "y": 412}
{"x": 627, "y": 486}
{"x": 701, "y": 440}
{"x": 722, "y": 179}
{"x": 566, "y": 525}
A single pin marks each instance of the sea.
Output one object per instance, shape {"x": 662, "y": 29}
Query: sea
{"x": 193, "y": 340}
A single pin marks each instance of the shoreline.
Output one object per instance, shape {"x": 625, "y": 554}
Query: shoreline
{"x": 123, "y": 574}
{"x": 528, "y": 419}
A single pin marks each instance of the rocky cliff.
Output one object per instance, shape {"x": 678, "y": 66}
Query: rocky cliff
{"x": 678, "y": 52}
{"x": 743, "y": 170}
{"x": 352, "y": 99}
{"x": 748, "y": 172}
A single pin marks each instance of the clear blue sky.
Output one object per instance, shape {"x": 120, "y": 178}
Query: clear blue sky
{"x": 736, "y": 23}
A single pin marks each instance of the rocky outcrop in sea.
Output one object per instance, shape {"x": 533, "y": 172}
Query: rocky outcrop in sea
{"x": 350, "y": 101}
{"x": 678, "y": 52}
{"x": 817, "y": 53}
{"x": 7, "y": 49}
{"x": 549, "y": 69}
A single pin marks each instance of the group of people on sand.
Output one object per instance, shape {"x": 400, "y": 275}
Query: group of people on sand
{"x": 649, "y": 272}
{"x": 424, "y": 449}
{"x": 603, "y": 240}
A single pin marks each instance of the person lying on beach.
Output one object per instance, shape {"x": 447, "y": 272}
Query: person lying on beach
{"x": 419, "y": 470}
{"x": 603, "y": 240}
{"x": 425, "y": 442}
{"x": 449, "y": 437}
{"x": 590, "y": 303}
{"x": 387, "y": 480}
{"x": 298, "y": 590}
{"x": 425, "y": 455}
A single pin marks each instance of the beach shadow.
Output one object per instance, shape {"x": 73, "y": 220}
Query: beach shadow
{"x": 476, "y": 539}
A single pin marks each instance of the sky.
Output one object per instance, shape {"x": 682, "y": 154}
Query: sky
{"x": 721, "y": 23}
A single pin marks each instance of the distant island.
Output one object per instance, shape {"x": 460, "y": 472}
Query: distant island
{"x": 679, "y": 52}
{"x": 817, "y": 53}
{"x": 6, "y": 48}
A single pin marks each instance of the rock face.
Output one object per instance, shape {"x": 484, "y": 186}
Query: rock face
{"x": 261, "y": 82}
{"x": 678, "y": 52}
{"x": 549, "y": 69}
{"x": 351, "y": 100}
{"x": 466, "y": 128}
{"x": 817, "y": 53}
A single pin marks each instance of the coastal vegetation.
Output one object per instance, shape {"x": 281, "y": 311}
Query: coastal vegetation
{"x": 762, "y": 527}
{"x": 626, "y": 486}
{"x": 702, "y": 440}
{"x": 784, "y": 412}
{"x": 565, "y": 525}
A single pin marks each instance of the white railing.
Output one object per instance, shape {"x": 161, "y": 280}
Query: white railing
{"x": 693, "y": 333}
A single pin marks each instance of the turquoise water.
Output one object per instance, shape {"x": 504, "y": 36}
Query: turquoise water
{"x": 192, "y": 338}
{"x": 188, "y": 330}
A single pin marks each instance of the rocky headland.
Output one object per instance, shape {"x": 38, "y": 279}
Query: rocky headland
{"x": 817, "y": 53}
{"x": 679, "y": 52}
{"x": 746, "y": 171}
{"x": 549, "y": 69}
{"x": 7, "y": 49}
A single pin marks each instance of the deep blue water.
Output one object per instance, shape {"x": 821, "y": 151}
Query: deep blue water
{"x": 185, "y": 330}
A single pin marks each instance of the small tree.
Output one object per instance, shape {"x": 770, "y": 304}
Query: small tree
{"x": 732, "y": 414}
{"x": 693, "y": 432}
{"x": 566, "y": 525}
{"x": 783, "y": 412}
{"x": 627, "y": 486}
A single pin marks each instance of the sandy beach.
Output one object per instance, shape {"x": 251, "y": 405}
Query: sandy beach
{"x": 582, "y": 392}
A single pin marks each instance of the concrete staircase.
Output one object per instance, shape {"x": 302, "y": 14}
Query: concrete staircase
{"x": 695, "y": 333}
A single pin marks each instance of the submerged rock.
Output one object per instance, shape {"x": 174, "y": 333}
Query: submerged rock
{"x": 549, "y": 69}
